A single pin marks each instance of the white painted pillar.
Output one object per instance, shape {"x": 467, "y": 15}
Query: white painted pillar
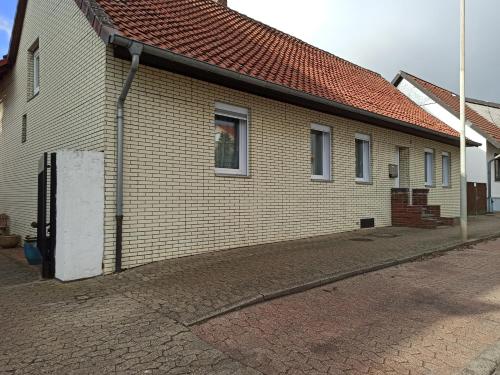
{"x": 80, "y": 214}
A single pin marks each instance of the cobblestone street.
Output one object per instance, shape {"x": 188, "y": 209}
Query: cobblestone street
{"x": 433, "y": 314}
{"x": 427, "y": 317}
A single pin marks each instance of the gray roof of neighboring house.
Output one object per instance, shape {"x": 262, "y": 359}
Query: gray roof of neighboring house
{"x": 489, "y": 110}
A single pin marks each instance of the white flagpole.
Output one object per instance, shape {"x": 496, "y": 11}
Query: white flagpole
{"x": 463, "y": 170}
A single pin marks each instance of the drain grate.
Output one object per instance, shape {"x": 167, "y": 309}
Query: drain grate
{"x": 361, "y": 239}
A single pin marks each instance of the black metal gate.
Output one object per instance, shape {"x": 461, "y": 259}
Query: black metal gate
{"x": 46, "y": 215}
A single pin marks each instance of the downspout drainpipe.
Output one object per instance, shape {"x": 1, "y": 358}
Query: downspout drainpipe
{"x": 135, "y": 50}
{"x": 490, "y": 198}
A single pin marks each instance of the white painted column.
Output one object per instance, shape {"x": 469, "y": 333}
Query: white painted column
{"x": 80, "y": 214}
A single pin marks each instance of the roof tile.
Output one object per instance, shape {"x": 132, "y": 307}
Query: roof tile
{"x": 212, "y": 33}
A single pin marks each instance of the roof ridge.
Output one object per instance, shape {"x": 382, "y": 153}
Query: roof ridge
{"x": 484, "y": 103}
{"x": 272, "y": 28}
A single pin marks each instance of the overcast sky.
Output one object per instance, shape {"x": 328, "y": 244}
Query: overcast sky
{"x": 418, "y": 36}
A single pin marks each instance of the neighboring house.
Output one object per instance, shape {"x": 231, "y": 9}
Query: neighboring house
{"x": 236, "y": 134}
{"x": 482, "y": 127}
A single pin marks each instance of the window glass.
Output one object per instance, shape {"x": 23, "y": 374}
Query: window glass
{"x": 24, "y": 129}
{"x": 320, "y": 152}
{"x": 497, "y": 168}
{"x": 362, "y": 147}
{"x": 231, "y": 140}
{"x": 227, "y": 142}
{"x": 36, "y": 72}
{"x": 446, "y": 169}
{"x": 316, "y": 152}
{"x": 429, "y": 168}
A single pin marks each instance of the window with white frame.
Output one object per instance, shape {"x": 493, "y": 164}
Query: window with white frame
{"x": 231, "y": 140}
{"x": 446, "y": 169}
{"x": 320, "y": 152}
{"x": 363, "y": 166}
{"x": 497, "y": 168}
{"x": 36, "y": 71}
{"x": 429, "y": 167}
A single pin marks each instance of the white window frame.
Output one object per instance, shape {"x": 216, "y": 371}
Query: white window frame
{"x": 241, "y": 114}
{"x": 446, "y": 183}
{"x": 36, "y": 71}
{"x": 327, "y": 152}
{"x": 1, "y": 115}
{"x": 367, "y": 169}
{"x": 429, "y": 183}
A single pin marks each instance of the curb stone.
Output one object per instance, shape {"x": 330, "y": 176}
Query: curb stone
{"x": 268, "y": 296}
{"x": 485, "y": 364}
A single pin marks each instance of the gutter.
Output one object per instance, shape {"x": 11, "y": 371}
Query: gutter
{"x": 135, "y": 50}
{"x": 284, "y": 91}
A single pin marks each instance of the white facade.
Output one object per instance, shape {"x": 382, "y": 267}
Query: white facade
{"x": 477, "y": 157}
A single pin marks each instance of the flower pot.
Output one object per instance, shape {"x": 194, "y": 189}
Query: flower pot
{"x": 9, "y": 241}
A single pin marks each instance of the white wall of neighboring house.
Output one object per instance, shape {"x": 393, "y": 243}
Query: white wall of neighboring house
{"x": 476, "y": 156}
{"x": 490, "y": 113}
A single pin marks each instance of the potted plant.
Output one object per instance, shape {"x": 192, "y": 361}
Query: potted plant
{"x": 7, "y": 240}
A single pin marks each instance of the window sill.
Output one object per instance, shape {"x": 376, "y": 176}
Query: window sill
{"x": 231, "y": 175}
{"x": 33, "y": 96}
{"x": 364, "y": 182}
{"x": 430, "y": 186}
{"x": 446, "y": 186}
{"x": 321, "y": 179}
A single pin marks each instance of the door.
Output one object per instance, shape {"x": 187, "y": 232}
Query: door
{"x": 46, "y": 214}
{"x": 396, "y": 161}
{"x": 476, "y": 198}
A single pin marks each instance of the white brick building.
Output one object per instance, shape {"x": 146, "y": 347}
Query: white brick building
{"x": 303, "y": 139}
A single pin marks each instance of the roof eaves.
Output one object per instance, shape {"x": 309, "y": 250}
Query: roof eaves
{"x": 171, "y": 57}
{"x": 483, "y": 103}
{"x": 16, "y": 32}
{"x": 97, "y": 18}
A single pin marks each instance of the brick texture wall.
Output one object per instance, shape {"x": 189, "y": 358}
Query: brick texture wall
{"x": 176, "y": 206}
{"x": 68, "y": 112}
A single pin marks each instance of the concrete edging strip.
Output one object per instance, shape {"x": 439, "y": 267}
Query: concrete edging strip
{"x": 268, "y": 296}
{"x": 484, "y": 364}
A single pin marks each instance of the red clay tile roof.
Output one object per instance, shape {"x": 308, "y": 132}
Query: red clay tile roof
{"x": 452, "y": 101}
{"x": 209, "y": 32}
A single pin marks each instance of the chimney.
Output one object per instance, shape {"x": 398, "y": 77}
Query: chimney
{"x": 221, "y": 2}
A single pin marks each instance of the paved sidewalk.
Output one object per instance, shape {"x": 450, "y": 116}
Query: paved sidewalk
{"x": 429, "y": 317}
{"x": 136, "y": 322}
{"x": 192, "y": 289}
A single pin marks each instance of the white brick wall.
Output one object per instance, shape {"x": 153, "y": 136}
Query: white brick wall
{"x": 67, "y": 113}
{"x": 176, "y": 206}
{"x": 174, "y": 203}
